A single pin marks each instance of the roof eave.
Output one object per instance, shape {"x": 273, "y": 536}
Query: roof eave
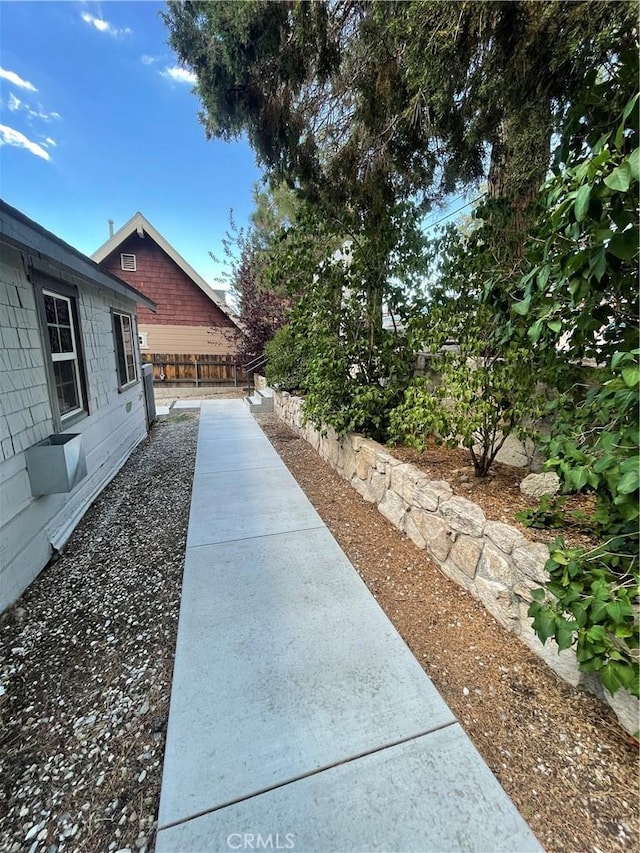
{"x": 52, "y": 256}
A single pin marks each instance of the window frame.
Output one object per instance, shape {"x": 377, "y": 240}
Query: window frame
{"x": 45, "y": 286}
{"x": 117, "y": 317}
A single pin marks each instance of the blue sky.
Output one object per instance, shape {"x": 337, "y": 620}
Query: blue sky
{"x": 98, "y": 121}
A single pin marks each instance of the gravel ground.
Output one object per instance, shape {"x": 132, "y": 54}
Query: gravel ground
{"x": 86, "y": 658}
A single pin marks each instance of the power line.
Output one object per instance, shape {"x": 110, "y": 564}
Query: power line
{"x": 453, "y": 212}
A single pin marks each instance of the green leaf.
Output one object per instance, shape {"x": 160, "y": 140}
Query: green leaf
{"x": 535, "y": 331}
{"x": 620, "y": 178}
{"x": 609, "y": 677}
{"x": 624, "y": 245}
{"x": 634, "y": 164}
{"x": 617, "y": 358}
{"x": 564, "y": 634}
{"x": 544, "y": 625}
{"x": 629, "y": 483}
{"x": 598, "y": 263}
{"x": 521, "y": 307}
{"x": 543, "y": 277}
{"x": 615, "y": 612}
{"x": 629, "y": 107}
{"x": 597, "y": 633}
{"x": 581, "y": 204}
{"x": 555, "y": 325}
{"x": 631, "y": 375}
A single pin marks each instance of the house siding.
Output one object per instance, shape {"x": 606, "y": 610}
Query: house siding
{"x": 180, "y": 302}
{"x": 190, "y": 339}
{"x": 31, "y": 527}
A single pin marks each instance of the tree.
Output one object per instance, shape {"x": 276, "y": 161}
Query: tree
{"x": 365, "y": 105}
{"x": 306, "y": 82}
{"x": 478, "y": 389}
{"x": 263, "y": 305}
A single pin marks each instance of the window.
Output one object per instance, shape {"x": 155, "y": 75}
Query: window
{"x": 62, "y": 328}
{"x": 125, "y": 350}
{"x": 128, "y": 262}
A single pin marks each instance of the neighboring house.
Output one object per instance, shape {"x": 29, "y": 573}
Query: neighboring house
{"x": 72, "y": 404}
{"x": 191, "y": 317}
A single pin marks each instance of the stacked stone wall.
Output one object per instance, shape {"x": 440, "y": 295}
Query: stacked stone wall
{"x": 493, "y": 561}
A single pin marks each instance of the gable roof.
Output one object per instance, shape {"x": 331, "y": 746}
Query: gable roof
{"x": 140, "y": 225}
{"x": 50, "y": 255}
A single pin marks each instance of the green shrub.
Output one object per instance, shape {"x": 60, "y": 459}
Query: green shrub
{"x": 287, "y": 360}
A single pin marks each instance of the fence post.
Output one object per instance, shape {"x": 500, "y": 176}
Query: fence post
{"x": 195, "y": 361}
{"x": 235, "y": 372}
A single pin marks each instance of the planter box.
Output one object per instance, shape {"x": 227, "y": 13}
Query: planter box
{"x": 56, "y": 464}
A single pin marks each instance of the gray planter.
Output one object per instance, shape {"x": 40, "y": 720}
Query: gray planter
{"x": 56, "y": 464}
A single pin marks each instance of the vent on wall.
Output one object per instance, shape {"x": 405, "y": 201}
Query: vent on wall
{"x": 128, "y": 262}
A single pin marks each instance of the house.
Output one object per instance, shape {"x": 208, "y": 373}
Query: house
{"x": 191, "y": 318}
{"x": 72, "y": 403}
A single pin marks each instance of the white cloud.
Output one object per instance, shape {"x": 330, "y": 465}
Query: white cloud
{"x": 179, "y": 75}
{"x": 39, "y": 114}
{"x": 104, "y": 26}
{"x": 14, "y": 78}
{"x": 15, "y": 105}
{"x": 147, "y": 60}
{"x": 9, "y": 136}
{"x": 49, "y": 143}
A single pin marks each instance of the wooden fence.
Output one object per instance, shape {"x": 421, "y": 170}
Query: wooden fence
{"x": 199, "y": 370}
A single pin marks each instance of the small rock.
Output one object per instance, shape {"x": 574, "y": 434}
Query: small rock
{"x": 35, "y": 829}
{"x": 536, "y": 485}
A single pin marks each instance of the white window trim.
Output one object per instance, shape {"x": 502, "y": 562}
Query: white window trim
{"x": 130, "y": 264}
{"x": 68, "y": 356}
{"x": 118, "y": 317}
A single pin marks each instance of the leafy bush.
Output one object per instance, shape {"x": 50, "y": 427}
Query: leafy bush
{"x": 287, "y": 360}
{"x": 477, "y": 401}
{"x": 581, "y": 295}
{"x": 550, "y": 512}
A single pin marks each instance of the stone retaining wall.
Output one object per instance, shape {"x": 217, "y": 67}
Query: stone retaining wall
{"x": 491, "y": 560}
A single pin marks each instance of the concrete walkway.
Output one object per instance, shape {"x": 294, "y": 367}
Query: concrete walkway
{"x": 299, "y": 718}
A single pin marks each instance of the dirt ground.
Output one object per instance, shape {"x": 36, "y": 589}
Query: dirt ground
{"x": 499, "y": 492}
{"x": 558, "y": 752}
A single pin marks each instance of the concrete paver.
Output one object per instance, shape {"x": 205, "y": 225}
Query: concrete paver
{"x": 244, "y": 503}
{"x": 242, "y": 450}
{"x": 312, "y": 668}
{"x": 297, "y": 711}
{"x": 187, "y": 404}
{"x": 434, "y": 793}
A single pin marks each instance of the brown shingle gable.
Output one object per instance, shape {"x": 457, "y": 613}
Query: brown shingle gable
{"x": 139, "y": 226}
{"x": 179, "y": 300}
